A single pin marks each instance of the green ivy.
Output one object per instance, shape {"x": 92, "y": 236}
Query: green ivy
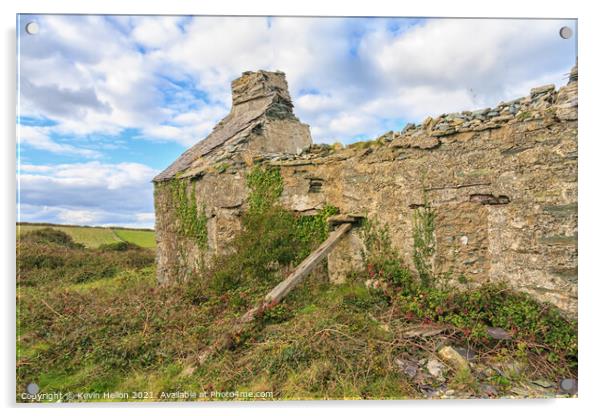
{"x": 423, "y": 234}
{"x": 383, "y": 262}
{"x": 495, "y": 305}
{"x": 541, "y": 327}
{"x": 271, "y": 238}
{"x": 312, "y": 228}
{"x": 192, "y": 222}
{"x": 266, "y": 186}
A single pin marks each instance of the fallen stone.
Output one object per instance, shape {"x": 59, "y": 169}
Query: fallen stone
{"x": 423, "y": 331}
{"x": 520, "y": 391}
{"x": 466, "y": 353}
{"x": 427, "y": 390}
{"x": 498, "y": 333}
{"x": 435, "y": 368}
{"x": 488, "y": 390}
{"x": 510, "y": 368}
{"x": 454, "y": 358}
{"x": 409, "y": 368}
{"x": 568, "y": 385}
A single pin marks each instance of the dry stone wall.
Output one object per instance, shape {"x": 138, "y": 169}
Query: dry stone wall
{"x": 502, "y": 183}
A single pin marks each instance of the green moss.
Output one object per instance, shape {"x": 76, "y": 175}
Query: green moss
{"x": 524, "y": 115}
{"x": 221, "y": 167}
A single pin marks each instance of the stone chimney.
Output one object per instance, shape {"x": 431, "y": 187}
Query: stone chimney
{"x": 253, "y": 85}
{"x": 265, "y": 94}
{"x": 262, "y": 90}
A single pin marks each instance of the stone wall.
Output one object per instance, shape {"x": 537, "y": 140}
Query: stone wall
{"x": 502, "y": 182}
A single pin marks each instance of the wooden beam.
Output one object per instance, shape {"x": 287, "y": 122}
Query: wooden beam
{"x": 302, "y": 270}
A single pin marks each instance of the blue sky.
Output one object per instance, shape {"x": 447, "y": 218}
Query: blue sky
{"x": 107, "y": 102}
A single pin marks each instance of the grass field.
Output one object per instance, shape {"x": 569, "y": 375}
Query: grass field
{"x": 142, "y": 238}
{"x": 94, "y": 237}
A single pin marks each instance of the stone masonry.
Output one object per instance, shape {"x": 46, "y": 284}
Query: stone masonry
{"x": 502, "y": 182}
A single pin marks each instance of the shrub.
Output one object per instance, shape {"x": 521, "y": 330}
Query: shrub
{"x": 118, "y": 246}
{"x": 498, "y": 306}
{"x": 50, "y": 236}
{"x": 423, "y": 233}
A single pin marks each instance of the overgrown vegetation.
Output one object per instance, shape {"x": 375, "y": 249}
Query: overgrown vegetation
{"x": 272, "y": 241}
{"x": 48, "y": 255}
{"x": 537, "y": 328}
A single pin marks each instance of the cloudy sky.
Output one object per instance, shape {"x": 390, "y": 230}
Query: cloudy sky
{"x": 107, "y": 102}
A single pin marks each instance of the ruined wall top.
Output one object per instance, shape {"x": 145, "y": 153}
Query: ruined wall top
{"x": 259, "y": 98}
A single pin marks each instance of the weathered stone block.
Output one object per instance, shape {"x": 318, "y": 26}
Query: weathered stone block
{"x": 346, "y": 258}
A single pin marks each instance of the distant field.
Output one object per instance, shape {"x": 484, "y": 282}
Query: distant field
{"x": 95, "y": 236}
{"x": 142, "y": 238}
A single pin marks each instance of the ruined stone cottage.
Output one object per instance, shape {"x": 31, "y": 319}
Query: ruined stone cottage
{"x": 502, "y": 182}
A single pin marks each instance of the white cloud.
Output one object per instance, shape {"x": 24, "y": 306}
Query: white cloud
{"x": 79, "y": 217}
{"x": 33, "y": 168}
{"x": 38, "y": 138}
{"x": 145, "y": 217}
{"x": 482, "y": 56}
{"x": 85, "y": 193}
{"x": 153, "y": 32}
{"x": 437, "y": 65}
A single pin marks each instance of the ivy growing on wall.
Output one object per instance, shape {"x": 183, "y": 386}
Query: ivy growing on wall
{"x": 424, "y": 241}
{"x": 192, "y": 221}
{"x": 266, "y": 186}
